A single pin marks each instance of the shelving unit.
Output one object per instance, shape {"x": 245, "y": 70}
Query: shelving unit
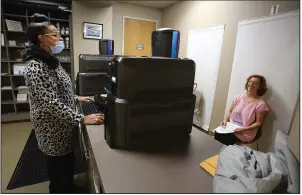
{"x": 11, "y": 109}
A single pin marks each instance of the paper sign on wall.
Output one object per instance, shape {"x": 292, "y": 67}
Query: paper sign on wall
{"x": 140, "y": 46}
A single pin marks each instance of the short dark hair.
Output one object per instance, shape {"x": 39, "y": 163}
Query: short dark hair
{"x": 262, "y": 85}
{"x": 37, "y": 26}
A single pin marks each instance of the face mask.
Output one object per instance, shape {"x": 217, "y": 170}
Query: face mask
{"x": 58, "y": 47}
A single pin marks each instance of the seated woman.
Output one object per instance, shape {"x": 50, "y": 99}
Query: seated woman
{"x": 248, "y": 111}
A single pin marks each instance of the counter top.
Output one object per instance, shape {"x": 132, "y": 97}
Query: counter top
{"x": 125, "y": 171}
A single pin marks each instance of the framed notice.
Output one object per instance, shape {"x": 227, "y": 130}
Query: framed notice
{"x": 93, "y": 31}
{"x": 13, "y": 25}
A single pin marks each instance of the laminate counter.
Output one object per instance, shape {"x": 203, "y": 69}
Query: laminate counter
{"x": 163, "y": 171}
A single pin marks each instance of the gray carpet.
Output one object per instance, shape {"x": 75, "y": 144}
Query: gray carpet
{"x": 31, "y": 167}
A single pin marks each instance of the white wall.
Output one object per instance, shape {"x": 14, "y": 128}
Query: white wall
{"x": 204, "y": 47}
{"x": 269, "y": 46}
{"x": 85, "y": 11}
{"x": 111, "y": 16}
{"x": 187, "y": 15}
{"x": 126, "y": 9}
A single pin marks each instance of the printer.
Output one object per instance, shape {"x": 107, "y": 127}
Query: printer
{"x": 92, "y": 74}
{"x": 91, "y": 78}
{"x": 133, "y": 77}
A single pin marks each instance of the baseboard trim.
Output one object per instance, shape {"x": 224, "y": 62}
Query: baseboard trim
{"x": 199, "y": 128}
{"x": 206, "y": 128}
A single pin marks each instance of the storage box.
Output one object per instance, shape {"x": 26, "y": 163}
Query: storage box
{"x": 21, "y": 97}
{"x": 2, "y": 39}
{"x": 22, "y": 90}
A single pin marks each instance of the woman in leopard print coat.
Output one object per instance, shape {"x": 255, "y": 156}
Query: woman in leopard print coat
{"x": 52, "y": 103}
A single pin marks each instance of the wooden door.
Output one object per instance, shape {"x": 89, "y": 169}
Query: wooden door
{"x": 137, "y": 37}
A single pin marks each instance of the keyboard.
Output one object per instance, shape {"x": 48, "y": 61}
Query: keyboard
{"x": 90, "y": 108}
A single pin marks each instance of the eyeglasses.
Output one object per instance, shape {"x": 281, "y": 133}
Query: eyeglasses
{"x": 252, "y": 82}
{"x": 54, "y": 34}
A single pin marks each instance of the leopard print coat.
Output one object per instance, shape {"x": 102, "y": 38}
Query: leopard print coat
{"x": 52, "y": 107}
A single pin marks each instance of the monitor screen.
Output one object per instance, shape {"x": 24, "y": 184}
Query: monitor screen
{"x": 91, "y": 84}
{"x": 93, "y": 63}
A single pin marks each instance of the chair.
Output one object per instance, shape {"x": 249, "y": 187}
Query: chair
{"x": 258, "y": 135}
{"x": 196, "y": 110}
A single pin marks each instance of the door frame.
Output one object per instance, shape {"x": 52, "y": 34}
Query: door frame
{"x": 135, "y": 18}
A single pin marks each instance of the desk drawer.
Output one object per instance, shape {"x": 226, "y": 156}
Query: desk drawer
{"x": 87, "y": 153}
{"x": 81, "y": 141}
{"x": 89, "y": 160}
{"x": 92, "y": 172}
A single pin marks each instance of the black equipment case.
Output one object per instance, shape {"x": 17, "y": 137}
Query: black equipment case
{"x": 128, "y": 123}
{"x": 150, "y": 77}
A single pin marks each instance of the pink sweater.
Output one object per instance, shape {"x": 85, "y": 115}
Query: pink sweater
{"x": 244, "y": 114}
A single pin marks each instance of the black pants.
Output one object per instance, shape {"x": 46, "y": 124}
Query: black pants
{"x": 60, "y": 170}
{"x": 226, "y": 139}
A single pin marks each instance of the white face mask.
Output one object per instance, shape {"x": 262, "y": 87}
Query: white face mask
{"x": 58, "y": 47}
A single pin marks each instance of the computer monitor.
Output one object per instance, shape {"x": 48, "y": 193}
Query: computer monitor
{"x": 89, "y": 63}
{"x": 89, "y": 84}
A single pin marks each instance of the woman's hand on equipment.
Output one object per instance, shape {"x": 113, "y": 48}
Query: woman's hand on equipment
{"x": 93, "y": 119}
{"x": 84, "y": 99}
